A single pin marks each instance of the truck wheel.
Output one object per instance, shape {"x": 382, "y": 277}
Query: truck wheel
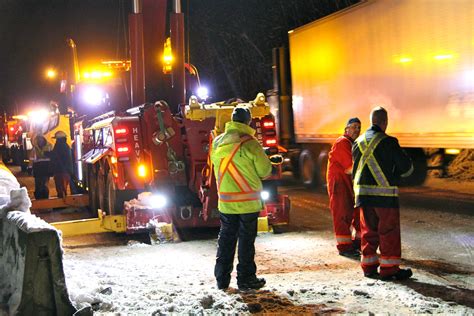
{"x": 420, "y": 166}
{"x": 322, "y": 167}
{"x": 307, "y": 169}
{"x": 93, "y": 191}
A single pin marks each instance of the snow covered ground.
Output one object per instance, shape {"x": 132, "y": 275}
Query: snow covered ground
{"x": 303, "y": 272}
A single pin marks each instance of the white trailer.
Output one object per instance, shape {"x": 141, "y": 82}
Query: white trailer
{"x": 413, "y": 57}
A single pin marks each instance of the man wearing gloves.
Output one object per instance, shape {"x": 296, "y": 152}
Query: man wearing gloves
{"x": 239, "y": 164}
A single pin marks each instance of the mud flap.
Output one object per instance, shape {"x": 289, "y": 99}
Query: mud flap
{"x": 31, "y": 271}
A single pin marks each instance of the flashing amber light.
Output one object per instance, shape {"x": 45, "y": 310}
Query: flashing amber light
{"x": 97, "y": 75}
{"x": 270, "y": 142}
{"x": 167, "y": 57}
{"x": 123, "y": 149}
{"x": 12, "y": 129}
{"x": 268, "y": 124}
{"x": 405, "y": 60}
{"x": 51, "y": 73}
{"x": 20, "y": 117}
{"x": 121, "y": 131}
{"x": 113, "y": 160}
{"x": 443, "y": 57}
{"x": 142, "y": 171}
{"x": 452, "y": 151}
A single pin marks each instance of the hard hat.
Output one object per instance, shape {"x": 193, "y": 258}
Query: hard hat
{"x": 242, "y": 115}
{"x": 60, "y": 134}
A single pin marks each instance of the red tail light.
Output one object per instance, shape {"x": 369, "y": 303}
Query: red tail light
{"x": 123, "y": 149}
{"x": 121, "y": 131}
{"x": 270, "y": 142}
{"x": 268, "y": 124}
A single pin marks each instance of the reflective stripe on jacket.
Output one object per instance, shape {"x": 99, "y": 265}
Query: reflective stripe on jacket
{"x": 378, "y": 164}
{"x": 239, "y": 165}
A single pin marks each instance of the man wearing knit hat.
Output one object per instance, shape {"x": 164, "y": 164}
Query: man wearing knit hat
{"x": 341, "y": 193}
{"x": 239, "y": 165}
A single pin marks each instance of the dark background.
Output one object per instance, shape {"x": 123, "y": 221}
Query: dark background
{"x": 230, "y": 41}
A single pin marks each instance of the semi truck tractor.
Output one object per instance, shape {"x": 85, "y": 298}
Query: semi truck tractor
{"x": 415, "y": 58}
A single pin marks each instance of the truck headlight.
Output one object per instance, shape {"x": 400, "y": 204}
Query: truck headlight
{"x": 265, "y": 195}
{"x": 157, "y": 201}
{"x": 93, "y": 96}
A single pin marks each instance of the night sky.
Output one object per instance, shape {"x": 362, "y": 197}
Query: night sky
{"x": 230, "y": 41}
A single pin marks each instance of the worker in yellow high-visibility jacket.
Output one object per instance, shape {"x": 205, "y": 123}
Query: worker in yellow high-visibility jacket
{"x": 239, "y": 163}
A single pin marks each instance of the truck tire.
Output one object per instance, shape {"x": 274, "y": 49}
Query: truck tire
{"x": 313, "y": 166}
{"x": 420, "y": 167}
{"x": 93, "y": 191}
{"x": 322, "y": 167}
{"x": 307, "y": 169}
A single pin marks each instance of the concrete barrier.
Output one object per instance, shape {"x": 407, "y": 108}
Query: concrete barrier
{"x": 31, "y": 271}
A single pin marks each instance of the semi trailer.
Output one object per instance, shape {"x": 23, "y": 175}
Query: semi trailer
{"x": 414, "y": 58}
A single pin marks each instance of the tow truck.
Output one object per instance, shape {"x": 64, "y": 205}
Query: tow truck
{"x": 148, "y": 166}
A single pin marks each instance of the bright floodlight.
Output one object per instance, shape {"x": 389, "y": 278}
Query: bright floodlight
{"x": 265, "y": 195}
{"x": 93, "y": 96}
{"x": 39, "y": 116}
{"x": 157, "y": 201}
{"x": 202, "y": 93}
{"x": 51, "y": 73}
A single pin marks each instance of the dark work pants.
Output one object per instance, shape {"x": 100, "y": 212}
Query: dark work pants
{"x": 41, "y": 187}
{"x": 62, "y": 182}
{"x": 241, "y": 227}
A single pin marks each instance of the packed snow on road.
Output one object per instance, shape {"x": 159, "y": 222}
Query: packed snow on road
{"x": 303, "y": 271}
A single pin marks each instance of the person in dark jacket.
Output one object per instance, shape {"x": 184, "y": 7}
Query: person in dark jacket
{"x": 41, "y": 166}
{"x": 61, "y": 161}
{"x": 379, "y": 162}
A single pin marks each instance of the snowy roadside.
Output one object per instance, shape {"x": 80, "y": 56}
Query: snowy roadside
{"x": 303, "y": 272}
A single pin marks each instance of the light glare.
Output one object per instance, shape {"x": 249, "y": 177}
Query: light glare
{"x": 265, "y": 195}
{"x": 157, "y": 201}
{"x": 203, "y": 93}
{"x": 93, "y": 96}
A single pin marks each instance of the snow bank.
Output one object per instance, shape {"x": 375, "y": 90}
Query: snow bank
{"x": 27, "y": 280}
{"x": 12, "y": 197}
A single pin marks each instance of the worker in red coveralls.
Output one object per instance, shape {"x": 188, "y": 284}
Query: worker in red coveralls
{"x": 341, "y": 194}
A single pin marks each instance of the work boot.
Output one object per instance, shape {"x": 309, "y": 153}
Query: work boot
{"x": 223, "y": 283}
{"x": 372, "y": 275}
{"x": 222, "y": 287}
{"x": 402, "y": 274}
{"x": 353, "y": 253}
{"x": 252, "y": 284}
